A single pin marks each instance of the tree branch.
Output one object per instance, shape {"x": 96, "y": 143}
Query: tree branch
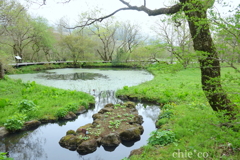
{"x": 170, "y": 10}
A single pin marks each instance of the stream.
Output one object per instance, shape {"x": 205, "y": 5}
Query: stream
{"x": 42, "y": 143}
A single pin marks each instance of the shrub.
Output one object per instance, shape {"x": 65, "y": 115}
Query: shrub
{"x": 15, "y": 122}
{"x": 161, "y": 138}
{"x": 26, "y": 106}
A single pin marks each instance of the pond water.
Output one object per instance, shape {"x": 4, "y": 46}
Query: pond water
{"x": 42, "y": 143}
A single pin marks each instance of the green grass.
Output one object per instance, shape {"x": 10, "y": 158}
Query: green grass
{"x": 48, "y": 100}
{"x": 185, "y": 112}
{"x": 169, "y": 85}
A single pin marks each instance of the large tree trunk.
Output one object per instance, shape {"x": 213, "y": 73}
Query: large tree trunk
{"x": 208, "y": 59}
{"x": 1, "y": 71}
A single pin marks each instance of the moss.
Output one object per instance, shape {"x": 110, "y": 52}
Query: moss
{"x": 111, "y": 119}
{"x": 89, "y": 125}
{"x": 130, "y": 104}
{"x": 48, "y": 118}
{"x": 71, "y": 132}
{"x": 67, "y": 138}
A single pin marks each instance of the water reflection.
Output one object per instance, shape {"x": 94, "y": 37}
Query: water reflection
{"x": 42, "y": 143}
{"x": 25, "y": 145}
{"x": 149, "y": 111}
{"x": 71, "y": 76}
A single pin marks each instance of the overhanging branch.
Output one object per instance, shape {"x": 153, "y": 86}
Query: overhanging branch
{"x": 170, "y": 10}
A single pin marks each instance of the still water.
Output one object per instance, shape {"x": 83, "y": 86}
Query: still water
{"x": 42, "y": 143}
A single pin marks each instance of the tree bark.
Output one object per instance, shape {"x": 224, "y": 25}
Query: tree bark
{"x": 208, "y": 59}
{"x": 1, "y": 71}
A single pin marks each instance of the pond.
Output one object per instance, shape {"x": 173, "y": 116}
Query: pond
{"x": 42, "y": 143}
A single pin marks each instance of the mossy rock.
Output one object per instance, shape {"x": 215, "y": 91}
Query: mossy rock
{"x": 70, "y": 132}
{"x": 111, "y": 140}
{"x": 131, "y": 134}
{"x": 70, "y": 142}
{"x": 89, "y": 125}
{"x": 70, "y": 116}
{"x": 88, "y": 146}
{"x": 48, "y": 118}
{"x": 111, "y": 125}
{"x": 31, "y": 124}
{"x": 130, "y": 104}
{"x": 104, "y": 110}
{"x": 109, "y": 105}
{"x": 97, "y": 116}
{"x": 81, "y": 110}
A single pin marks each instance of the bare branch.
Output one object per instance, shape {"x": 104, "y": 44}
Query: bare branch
{"x": 93, "y": 20}
{"x": 171, "y": 10}
{"x": 66, "y": 1}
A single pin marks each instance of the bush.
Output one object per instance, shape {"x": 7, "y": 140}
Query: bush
{"x": 15, "y": 122}
{"x": 161, "y": 138}
{"x": 26, "y": 106}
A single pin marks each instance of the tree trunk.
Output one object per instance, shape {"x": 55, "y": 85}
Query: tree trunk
{"x": 208, "y": 59}
{"x": 1, "y": 71}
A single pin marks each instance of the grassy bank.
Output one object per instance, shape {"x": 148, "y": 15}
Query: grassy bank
{"x": 28, "y": 101}
{"x": 188, "y": 128}
{"x": 37, "y": 68}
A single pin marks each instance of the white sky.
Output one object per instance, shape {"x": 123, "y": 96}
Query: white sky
{"x": 53, "y": 11}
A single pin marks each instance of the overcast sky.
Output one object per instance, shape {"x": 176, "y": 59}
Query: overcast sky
{"x": 53, "y": 11}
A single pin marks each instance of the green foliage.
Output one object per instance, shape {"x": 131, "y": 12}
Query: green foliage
{"x": 166, "y": 114}
{"x": 15, "y": 122}
{"x": 77, "y": 45}
{"x": 72, "y": 107}
{"x": 36, "y": 68}
{"x": 114, "y": 124}
{"x": 171, "y": 84}
{"x": 84, "y": 103}
{"x": 125, "y": 87}
{"x": 3, "y": 156}
{"x": 26, "y": 106}
{"x": 83, "y": 137}
{"x": 162, "y": 121}
{"x": 3, "y": 102}
{"x": 61, "y": 112}
{"x": 187, "y": 114}
{"x": 96, "y": 132}
{"x": 50, "y": 100}
{"x": 161, "y": 138}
